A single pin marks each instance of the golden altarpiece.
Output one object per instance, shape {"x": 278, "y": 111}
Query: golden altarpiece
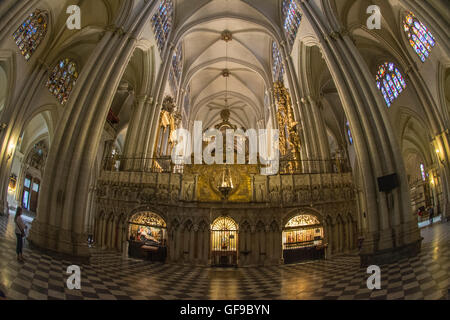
{"x": 288, "y": 130}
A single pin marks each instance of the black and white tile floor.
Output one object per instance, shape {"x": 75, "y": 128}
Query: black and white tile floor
{"x": 110, "y": 276}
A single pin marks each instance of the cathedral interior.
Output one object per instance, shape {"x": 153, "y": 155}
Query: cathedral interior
{"x": 106, "y": 128}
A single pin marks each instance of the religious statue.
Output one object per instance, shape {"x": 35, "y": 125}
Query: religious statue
{"x": 174, "y": 193}
{"x": 260, "y": 191}
{"x": 188, "y": 193}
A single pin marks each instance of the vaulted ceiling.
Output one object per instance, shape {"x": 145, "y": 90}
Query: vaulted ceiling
{"x": 247, "y": 58}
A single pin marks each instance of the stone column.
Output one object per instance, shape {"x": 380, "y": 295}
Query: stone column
{"x": 240, "y": 246}
{"x": 132, "y": 146}
{"x": 335, "y": 238}
{"x": 269, "y": 247}
{"x": 322, "y": 137}
{"x": 103, "y": 233}
{"x": 97, "y": 229}
{"x": 120, "y": 236}
{"x": 171, "y": 245}
{"x": 199, "y": 246}
{"x": 312, "y": 129}
{"x": 253, "y": 247}
{"x": 152, "y": 114}
{"x": 65, "y": 186}
{"x": 346, "y": 236}
{"x": 192, "y": 244}
{"x": 207, "y": 246}
{"x": 180, "y": 245}
{"x": 376, "y": 147}
{"x": 109, "y": 232}
{"x": 327, "y": 236}
{"x": 113, "y": 241}
{"x": 299, "y": 111}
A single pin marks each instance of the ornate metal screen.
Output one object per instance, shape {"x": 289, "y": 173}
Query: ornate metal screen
{"x": 224, "y": 235}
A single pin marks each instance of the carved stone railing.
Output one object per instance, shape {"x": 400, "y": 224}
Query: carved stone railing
{"x": 261, "y": 205}
{"x": 199, "y": 184}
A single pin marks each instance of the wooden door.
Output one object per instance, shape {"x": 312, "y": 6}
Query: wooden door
{"x": 36, "y": 185}
{"x": 26, "y": 193}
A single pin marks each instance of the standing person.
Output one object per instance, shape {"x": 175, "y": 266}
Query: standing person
{"x": 20, "y": 233}
{"x": 431, "y": 214}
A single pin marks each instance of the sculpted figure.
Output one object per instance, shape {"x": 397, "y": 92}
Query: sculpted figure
{"x": 174, "y": 194}
{"x": 260, "y": 194}
{"x": 288, "y": 195}
{"x": 188, "y": 192}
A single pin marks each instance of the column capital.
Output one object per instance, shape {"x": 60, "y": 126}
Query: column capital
{"x": 410, "y": 68}
{"x": 141, "y": 98}
{"x": 115, "y": 29}
{"x": 334, "y": 35}
{"x": 149, "y": 100}
{"x": 344, "y": 32}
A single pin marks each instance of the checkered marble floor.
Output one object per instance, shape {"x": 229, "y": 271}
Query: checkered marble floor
{"x": 112, "y": 277}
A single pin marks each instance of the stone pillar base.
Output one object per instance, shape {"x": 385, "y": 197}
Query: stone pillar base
{"x": 446, "y": 213}
{"x": 55, "y": 239}
{"x": 387, "y": 246}
{"x": 390, "y": 255}
{"x": 4, "y": 208}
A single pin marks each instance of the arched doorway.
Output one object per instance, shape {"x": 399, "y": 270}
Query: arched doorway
{"x": 303, "y": 239}
{"x": 147, "y": 236}
{"x": 224, "y": 242}
{"x": 29, "y": 161}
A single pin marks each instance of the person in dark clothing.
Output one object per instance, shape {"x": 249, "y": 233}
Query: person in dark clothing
{"x": 431, "y": 214}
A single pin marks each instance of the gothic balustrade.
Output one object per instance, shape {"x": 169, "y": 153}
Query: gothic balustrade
{"x": 159, "y": 181}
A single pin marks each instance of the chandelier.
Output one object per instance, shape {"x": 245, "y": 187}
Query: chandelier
{"x": 226, "y": 185}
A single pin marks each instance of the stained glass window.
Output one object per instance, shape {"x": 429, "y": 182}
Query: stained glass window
{"x": 422, "y": 172}
{"x": 62, "y": 79}
{"x": 390, "y": 82}
{"x": 349, "y": 132}
{"x": 177, "y": 62}
{"x": 162, "y": 23}
{"x": 278, "y": 67}
{"x": 418, "y": 35}
{"x": 31, "y": 32}
{"x": 292, "y": 19}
